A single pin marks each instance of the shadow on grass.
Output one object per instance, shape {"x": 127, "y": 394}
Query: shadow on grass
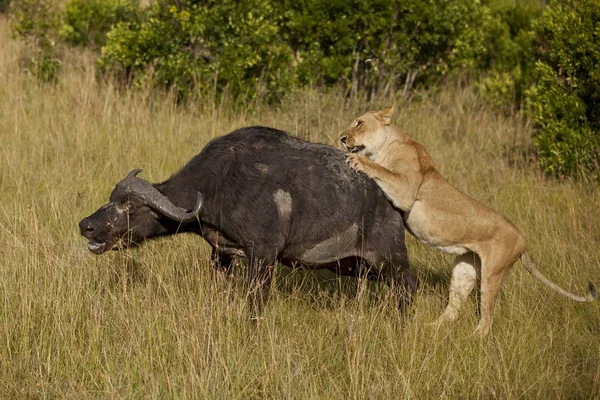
{"x": 318, "y": 288}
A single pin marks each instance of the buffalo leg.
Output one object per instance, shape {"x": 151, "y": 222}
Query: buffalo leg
{"x": 402, "y": 282}
{"x": 260, "y": 274}
{"x": 407, "y": 288}
{"x": 221, "y": 262}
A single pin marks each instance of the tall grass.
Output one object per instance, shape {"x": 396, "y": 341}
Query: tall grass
{"x": 152, "y": 323}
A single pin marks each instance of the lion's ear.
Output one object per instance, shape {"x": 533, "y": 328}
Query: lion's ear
{"x": 385, "y": 115}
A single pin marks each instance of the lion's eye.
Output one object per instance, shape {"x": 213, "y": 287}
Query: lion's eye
{"x": 359, "y": 123}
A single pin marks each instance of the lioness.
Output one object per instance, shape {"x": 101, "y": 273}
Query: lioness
{"x": 441, "y": 216}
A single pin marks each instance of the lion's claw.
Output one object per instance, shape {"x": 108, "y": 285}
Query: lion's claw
{"x": 355, "y": 162}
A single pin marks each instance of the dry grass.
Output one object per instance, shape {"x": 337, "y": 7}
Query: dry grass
{"x": 150, "y": 323}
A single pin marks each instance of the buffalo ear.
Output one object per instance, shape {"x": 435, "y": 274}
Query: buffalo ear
{"x": 385, "y": 115}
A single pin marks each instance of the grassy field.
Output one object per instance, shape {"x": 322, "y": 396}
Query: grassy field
{"x": 151, "y": 323}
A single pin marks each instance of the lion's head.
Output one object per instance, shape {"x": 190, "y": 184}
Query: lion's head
{"x": 367, "y": 134}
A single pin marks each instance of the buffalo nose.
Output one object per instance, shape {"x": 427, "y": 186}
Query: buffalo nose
{"x": 85, "y": 228}
{"x": 343, "y": 139}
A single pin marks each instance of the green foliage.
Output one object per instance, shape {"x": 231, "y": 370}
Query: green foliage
{"x": 510, "y": 59}
{"x": 4, "y": 5}
{"x": 565, "y": 101}
{"x": 377, "y": 46}
{"x": 35, "y": 21}
{"x": 86, "y": 22}
{"x": 227, "y": 46}
{"x": 372, "y": 46}
{"x": 247, "y": 49}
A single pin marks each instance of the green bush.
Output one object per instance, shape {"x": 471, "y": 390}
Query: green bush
{"x": 566, "y": 99}
{"x": 86, "y": 22}
{"x": 266, "y": 47}
{"x": 229, "y": 46}
{"x": 367, "y": 46}
{"x": 35, "y": 21}
{"x": 4, "y": 5}
{"x": 379, "y": 46}
{"x": 510, "y": 58}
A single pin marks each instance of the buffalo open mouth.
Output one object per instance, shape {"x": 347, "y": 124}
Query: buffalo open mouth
{"x": 97, "y": 247}
{"x": 357, "y": 149}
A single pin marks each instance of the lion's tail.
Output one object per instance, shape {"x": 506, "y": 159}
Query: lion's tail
{"x": 530, "y": 266}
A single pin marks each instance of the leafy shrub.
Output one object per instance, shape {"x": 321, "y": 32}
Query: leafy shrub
{"x": 86, "y": 22}
{"x": 378, "y": 46}
{"x": 4, "y": 5}
{"x": 510, "y": 58}
{"x": 373, "y": 46}
{"x": 233, "y": 46}
{"x": 267, "y": 46}
{"x": 35, "y": 21}
{"x": 566, "y": 99}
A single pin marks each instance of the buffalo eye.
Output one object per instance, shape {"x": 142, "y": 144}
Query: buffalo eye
{"x": 130, "y": 207}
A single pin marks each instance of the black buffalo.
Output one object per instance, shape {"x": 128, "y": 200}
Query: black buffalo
{"x": 262, "y": 194}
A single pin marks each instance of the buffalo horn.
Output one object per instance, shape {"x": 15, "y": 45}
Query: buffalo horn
{"x": 158, "y": 201}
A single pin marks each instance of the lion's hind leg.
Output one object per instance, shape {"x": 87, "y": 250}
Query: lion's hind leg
{"x": 464, "y": 277}
{"x": 493, "y": 272}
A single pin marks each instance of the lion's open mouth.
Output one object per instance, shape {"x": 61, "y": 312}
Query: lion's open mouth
{"x": 97, "y": 247}
{"x": 357, "y": 149}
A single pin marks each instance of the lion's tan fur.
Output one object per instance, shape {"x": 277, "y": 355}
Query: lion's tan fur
{"x": 439, "y": 215}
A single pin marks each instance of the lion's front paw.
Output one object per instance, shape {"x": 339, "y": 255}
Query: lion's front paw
{"x": 356, "y": 162}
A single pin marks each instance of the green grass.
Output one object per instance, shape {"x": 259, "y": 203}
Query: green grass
{"x": 151, "y": 323}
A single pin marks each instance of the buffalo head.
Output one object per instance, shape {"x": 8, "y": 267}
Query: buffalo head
{"x": 136, "y": 211}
